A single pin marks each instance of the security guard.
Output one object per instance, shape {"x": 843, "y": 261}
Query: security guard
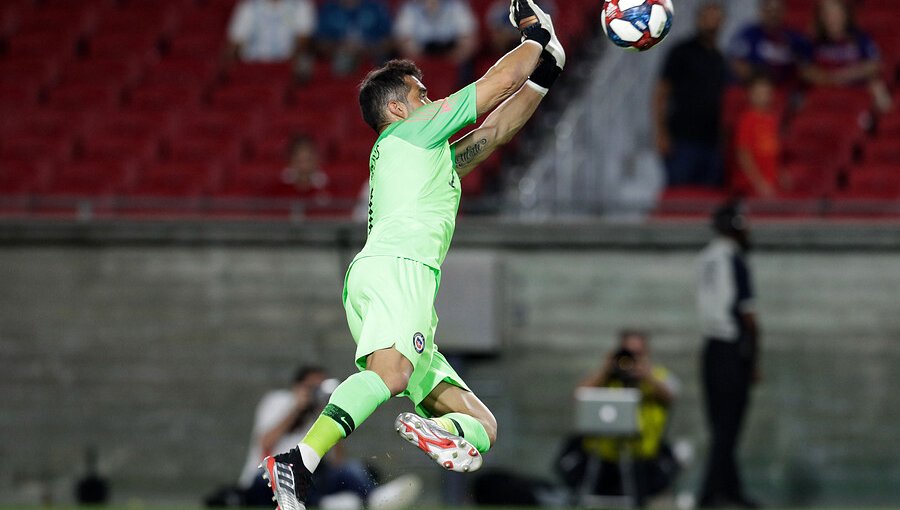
{"x": 729, "y": 367}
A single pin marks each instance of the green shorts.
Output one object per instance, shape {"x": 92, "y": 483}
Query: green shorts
{"x": 390, "y": 303}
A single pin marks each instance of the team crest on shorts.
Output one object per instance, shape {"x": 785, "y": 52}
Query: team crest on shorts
{"x": 419, "y": 342}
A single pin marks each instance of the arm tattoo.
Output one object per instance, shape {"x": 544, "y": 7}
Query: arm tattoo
{"x": 467, "y": 156}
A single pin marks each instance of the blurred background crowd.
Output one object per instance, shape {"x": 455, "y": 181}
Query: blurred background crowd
{"x": 222, "y": 107}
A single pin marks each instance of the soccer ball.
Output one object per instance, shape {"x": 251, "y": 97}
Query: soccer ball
{"x": 637, "y": 24}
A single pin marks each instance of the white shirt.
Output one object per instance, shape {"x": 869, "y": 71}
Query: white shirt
{"x": 724, "y": 289}
{"x": 273, "y": 408}
{"x": 268, "y": 29}
{"x": 454, "y": 19}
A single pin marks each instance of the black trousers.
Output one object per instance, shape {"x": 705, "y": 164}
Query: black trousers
{"x": 726, "y": 377}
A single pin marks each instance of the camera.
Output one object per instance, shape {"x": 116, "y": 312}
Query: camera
{"x": 623, "y": 366}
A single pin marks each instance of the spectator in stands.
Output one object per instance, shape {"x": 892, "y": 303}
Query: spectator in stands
{"x": 688, "y": 105}
{"x": 273, "y": 31}
{"x": 303, "y": 170}
{"x": 437, "y": 28}
{"x": 353, "y": 30}
{"x": 629, "y": 366}
{"x": 842, "y": 55}
{"x": 503, "y": 37}
{"x": 282, "y": 418}
{"x": 757, "y": 144}
{"x": 769, "y": 47}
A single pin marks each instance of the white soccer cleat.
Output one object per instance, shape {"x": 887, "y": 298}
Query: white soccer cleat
{"x": 450, "y": 451}
{"x": 289, "y": 479}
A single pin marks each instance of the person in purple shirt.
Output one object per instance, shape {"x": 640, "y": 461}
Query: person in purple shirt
{"x": 769, "y": 48}
{"x": 844, "y": 56}
{"x": 350, "y": 31}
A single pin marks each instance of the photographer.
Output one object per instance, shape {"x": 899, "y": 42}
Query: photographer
{"x": 282, "y": 418}
{"x": 630, "y": 366}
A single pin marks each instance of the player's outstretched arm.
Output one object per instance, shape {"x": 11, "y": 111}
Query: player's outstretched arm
{"x": 510, "y": 72}
{"x": 504, "y": 122}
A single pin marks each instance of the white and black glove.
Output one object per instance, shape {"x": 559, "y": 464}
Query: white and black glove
{"x": 520, "y": 10}
{"x": 545, "y": 74}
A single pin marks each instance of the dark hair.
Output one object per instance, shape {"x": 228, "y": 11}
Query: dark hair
{"x": 383, "y": 85}
{"x": 297, "y": 141}
{"x": 728, "y": 219}
{"x": 305, "y": 371}
{"x": 820, "y": 33}
{"x": 630, "y": 332}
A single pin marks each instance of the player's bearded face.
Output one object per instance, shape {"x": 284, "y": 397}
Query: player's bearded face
{"x": 417, "y": 95}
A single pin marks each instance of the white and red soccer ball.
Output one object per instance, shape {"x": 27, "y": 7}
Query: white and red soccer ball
{"x": 637, "y": 24}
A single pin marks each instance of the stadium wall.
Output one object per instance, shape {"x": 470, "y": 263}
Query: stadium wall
{"x": 154, "y": 343}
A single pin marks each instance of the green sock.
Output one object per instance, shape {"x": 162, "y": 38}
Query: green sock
{"x": 467, "y": 427}
{"x": 351, "y": 403}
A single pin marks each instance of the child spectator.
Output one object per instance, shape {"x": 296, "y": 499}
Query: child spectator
{"x": 757, "y": 144}
{"x": 769, "y": 47}
{"x": 353, "y": 30}
{"x": 303, "y": 170}
{"x": 843, "y": 55}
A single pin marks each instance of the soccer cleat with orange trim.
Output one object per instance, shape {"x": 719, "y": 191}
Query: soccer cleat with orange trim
{"x": 450, "y": 451}
{"x": 289, "y": 479}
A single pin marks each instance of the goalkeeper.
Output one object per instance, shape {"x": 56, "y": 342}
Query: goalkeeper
{"x": 391, "y": 284}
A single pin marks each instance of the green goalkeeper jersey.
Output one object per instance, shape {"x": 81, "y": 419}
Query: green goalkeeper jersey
{"x": 414, "y": 189}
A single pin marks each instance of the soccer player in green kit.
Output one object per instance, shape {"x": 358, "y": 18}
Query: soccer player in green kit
{"x": 391, "y": 285}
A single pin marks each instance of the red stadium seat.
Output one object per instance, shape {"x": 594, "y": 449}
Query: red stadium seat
{"x": 260, "y": 74}
{"x": 73, "y": 18}
{"x": 50, "y": 43}
{"x": 248, "y": 98}
{"x": 32, "y": 146}
{"x": 889, "y": 126}
{"x": 124, "y": 45}
{"x": 33, "y": 71}
{"x": 197, "y": 45}
{"x": 203, "y": 21}
{"x": 821, "y": 139}
{"x": 810, "y": 179}
{"x": 120, "y": 147}
{"x": 85, "y": 97}
{"x": 101, "y": 71}
{"x": 89, "y": 178}
{"x": 191, "y": 71}
{"x": 164, "y": 97}
{"x": 174, "y": 179}
{"x": 22, "y": 177}
{"x": 130, "y": 123}
{"x": 148, "y": 21}
{"x": 199, "y": 148}
{"x": 345, "y": 179}
{"x": 876, "y": 180}
{"x": 883, "y": 151}
{"x": 848, "y": 101}
{"x": 46, "y": 124}
{"x": 258, "y": 179}
{"x": 218, "y": 123}
{"x": 14, "y": 97}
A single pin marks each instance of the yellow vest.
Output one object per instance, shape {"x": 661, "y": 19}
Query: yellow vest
{"x": 652, "y": 416}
